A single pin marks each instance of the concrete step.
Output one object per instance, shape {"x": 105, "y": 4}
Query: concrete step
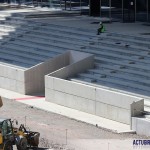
{"x": 128, "y": 59}
{"x": 113, "y": 56}
{"x": 121, "y": 45}
{"x": 62, "y": 39}
{"x": 129, "y": 41}
{"x": 129, "y": 77}
{"x": 110, "y": 86}
{"x": 106, "y": 60}
{"x": 4, "y": 57}
{"x": 35, "y": 51}
{"x": 44, "y": 50}
{"x": 23, "y": 54}
{"x": 125, "y": 70}
{"x": 123, "y": 56}
{"x": 9, "y": 27}
{"x": 87, "y": 32}
{"x": 138, "y": 38}
{"x": 105, "y": 44}
{"x": 115, "y": 80}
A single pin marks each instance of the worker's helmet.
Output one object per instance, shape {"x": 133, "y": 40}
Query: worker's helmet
{"x": 100, "y": 23}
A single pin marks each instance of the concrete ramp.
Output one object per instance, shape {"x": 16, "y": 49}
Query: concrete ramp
{"x": 1, "y": 102}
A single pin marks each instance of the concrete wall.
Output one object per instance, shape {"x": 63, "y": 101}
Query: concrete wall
{"x": 11, "y": 78}
{"x": 78, "y": 62}
{"x": 34, "y": 77}
{"x": 93, "y": 100}
{"x": 141, "y": 126}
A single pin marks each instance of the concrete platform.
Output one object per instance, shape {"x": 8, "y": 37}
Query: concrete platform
{"x": 38, "y": 101}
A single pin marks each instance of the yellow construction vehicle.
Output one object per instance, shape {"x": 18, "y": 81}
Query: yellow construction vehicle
{"x": 21, "y": 137}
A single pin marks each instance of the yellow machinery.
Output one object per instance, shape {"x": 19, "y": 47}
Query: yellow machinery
{"x": 20, "y": 137}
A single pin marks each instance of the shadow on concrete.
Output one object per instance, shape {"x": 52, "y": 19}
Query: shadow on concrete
{"x": 39, "y": 148}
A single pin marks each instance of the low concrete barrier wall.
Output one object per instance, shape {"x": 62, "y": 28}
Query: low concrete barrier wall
{"x": 78, "y": 62}
{"x": 141, "y": 126}
{"x": 34, "y": 77}
{"x": 11, "y": 78}
{"x": 101, "y": 102}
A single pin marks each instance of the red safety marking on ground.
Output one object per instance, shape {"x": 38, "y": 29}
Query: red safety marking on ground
{"x": 29, "y": 98}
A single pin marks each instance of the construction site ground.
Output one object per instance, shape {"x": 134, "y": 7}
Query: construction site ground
{"x": 59, "y": 132}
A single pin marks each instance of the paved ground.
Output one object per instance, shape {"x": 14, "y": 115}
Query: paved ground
{"x": 52, "y": 127}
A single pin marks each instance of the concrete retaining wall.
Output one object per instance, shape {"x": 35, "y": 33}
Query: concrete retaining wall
{"x": 11, "y": 78}
{"x": 34, "y": 77}
{"x": 101, "y": 102}
{"x": 141, "y": 126}
{"x": 78, "y": 62}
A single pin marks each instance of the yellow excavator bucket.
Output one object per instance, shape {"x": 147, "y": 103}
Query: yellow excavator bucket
{"x": 1, "y": 102}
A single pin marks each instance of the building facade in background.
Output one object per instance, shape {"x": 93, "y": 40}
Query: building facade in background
{"x": 127, "y": 10}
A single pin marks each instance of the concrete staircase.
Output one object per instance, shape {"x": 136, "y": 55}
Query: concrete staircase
{"x": 121, "y": 61}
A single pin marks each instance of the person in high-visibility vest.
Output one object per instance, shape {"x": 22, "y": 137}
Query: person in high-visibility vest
{"x": 101, "y": 28}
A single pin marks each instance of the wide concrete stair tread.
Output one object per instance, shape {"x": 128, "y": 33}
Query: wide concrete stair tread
{"x": 91, "y": 34}
{"x": 119, "y": 75}
{"x": 122, "y": 45}
{"x": 9, "y": 27}
{"x": 70, "y": 40}
{"x": 24, "y": 53}
{"x": 5, "y": 30}
{"x": 127, "y": 40}
{"x": 115, "y": 80}
{"x": 33, "y": 53}
{"x": 13, "y": 22}
{"x": 129, "y": 58}
{"x": 124, "y": 64}
{"x": 40, "y": 26}
{"x": 59, "y": 32}
{"x": 124, "y": 70}
{"x": 45, "y": 50}
{"x": 135, "y": 57}
{"x": 12, "y": 58}
{"x": 16, "y": 65}
{"x": 41, "y": 51}
{"x": 139, "y": 38}
{"x": 44, "y": 43}
{"x": 77, "y": 31}
{"x": 45, "y": 32}
{"x": 111, "y": 85}
{"x": 86, "y": 32}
